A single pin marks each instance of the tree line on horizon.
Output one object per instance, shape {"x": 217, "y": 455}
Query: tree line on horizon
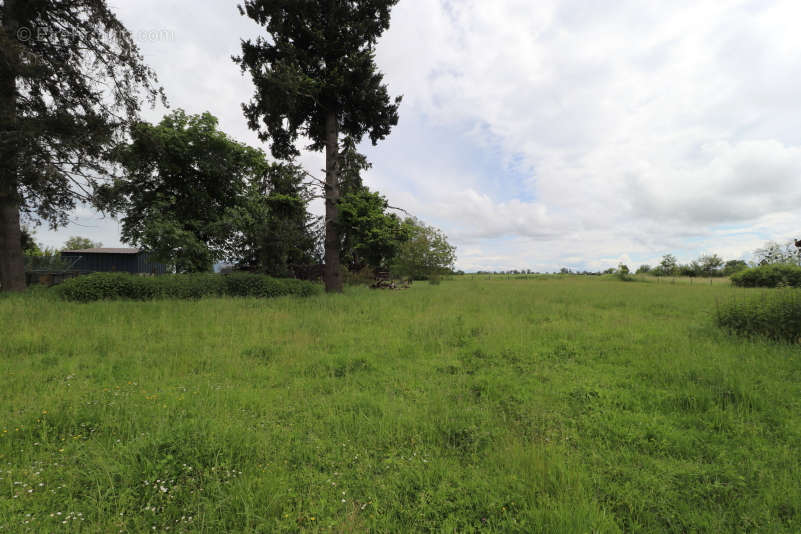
{"x": 707, "y": 265}
{"x": 71, "y": 94}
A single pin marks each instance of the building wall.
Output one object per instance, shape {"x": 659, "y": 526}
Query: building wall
{"x": 122, "y": 263}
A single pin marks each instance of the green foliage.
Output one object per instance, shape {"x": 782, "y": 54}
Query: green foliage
{"x": 668, "y": 266}
{"x": 772, "y": 275}
{"x": 734, "y": 266}
{"x": 193, "y": 196}
{"x": 775, "y": 316}
{"x": 249, "y": 285}
{"x": 318, "y": 59}
{"x": 29, "y": 245}
{"x": 427, "y": 252}
{"x": 773, "y": 253}
{"x": 710, "y": 265}
{"x": 362, "y": 277}
{"x": 80, "y": 82}
{"x": 275, "y": 231}
{"x": 623, "y": 273}
{"x": 551, "y": 404}
{"x": 45, "y": 259}
{"x": 692, "y": 269}
{"x": 38, "y": 257}
{"x": 316, "y": 77}
{"x": 105, "y": 286}
{"x": 80, "y": 243}
{"x": 643, "y": 269}
{"x": 371, "y": 234}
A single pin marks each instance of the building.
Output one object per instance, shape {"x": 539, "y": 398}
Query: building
{"x": 122, "y": 260}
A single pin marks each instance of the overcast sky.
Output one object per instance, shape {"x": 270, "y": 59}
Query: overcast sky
{"x": 551, "y": 133}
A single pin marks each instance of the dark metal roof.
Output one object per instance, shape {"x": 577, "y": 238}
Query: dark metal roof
{"x": 103, "y": 251}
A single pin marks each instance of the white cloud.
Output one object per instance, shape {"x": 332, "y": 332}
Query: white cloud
{"x": 543, "y": 133}
{"x": 644, "y": 125}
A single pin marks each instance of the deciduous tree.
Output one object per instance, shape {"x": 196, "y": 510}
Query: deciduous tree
{"x": 183, "y": 189}
{"x": 371, "y": 234}
{"x": 427, "y": 252}
{"x": 710, "y": 264}
{"x": 734, "y": 266}
{"x": 80, "y": 243}
{"x": 29, "y": 245}
{"x": 669, "y": 265}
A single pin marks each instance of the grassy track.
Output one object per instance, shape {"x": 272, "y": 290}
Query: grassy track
{"x": 555, "y": 405}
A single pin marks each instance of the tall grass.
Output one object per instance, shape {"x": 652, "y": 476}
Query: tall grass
{"x": 550, "y": 405}
{"x": 775, "y": 315}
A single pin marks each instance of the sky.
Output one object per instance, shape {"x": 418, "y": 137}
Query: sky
{"x": 548, "y": 134}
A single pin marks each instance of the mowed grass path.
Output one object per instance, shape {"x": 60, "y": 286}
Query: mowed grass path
{"x": 555, "y": 405}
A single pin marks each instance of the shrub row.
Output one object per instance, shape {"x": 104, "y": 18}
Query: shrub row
{"x": 776, "y": 316}
{"x": 101, "y": 286}
{"x": 779, "y": 275}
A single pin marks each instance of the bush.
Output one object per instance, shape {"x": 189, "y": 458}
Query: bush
{"x": 102, "y": 286}
{"x": 434, "y": 279}
{"x": 778, "y": 275}
{"x": 363, "y": 277}
{"x": 776, "y": 316}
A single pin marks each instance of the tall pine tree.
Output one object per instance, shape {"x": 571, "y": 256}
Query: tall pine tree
{"x": 71, "y": 79}
{"x": 315, "y": 75}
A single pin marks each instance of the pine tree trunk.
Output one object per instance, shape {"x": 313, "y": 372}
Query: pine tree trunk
{"x": 333, "y": 271}
{"x": 12, "y": 264}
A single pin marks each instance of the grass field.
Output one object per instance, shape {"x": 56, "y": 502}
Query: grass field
{"x": 541, "y": 405}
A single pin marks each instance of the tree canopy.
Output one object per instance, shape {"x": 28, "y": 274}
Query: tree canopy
{"x": 371, "y": 234}
{"x": 71, "y": 80}
{"x": 193, "y": 196}
{"x": 315, "y": 76}
{"x": 80, "y": 243}
{"x": 426, "y": 252}
{"x": 182, "y": 190}
{"x": 28, "y": 240}
{"x": 276, "y": 234}
{"x": 774, "y": 253}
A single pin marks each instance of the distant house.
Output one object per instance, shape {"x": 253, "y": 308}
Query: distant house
{"x": 122, "y": 260}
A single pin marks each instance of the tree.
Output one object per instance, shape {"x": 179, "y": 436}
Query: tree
{"x": 643, "y": 269}
{"x": 623, "y": 272}
{"x": 710, "y": 264}
{"x": 184, "y": 188}
{"x": 734, "y": 266}
{"x": 691, "y": 269}
{"x": 370, "y": 234}
{"x": 29, "y": 245}
{"x": 276, "y": 233}
{"x": 426, "y": 252}
{"x": 71, "y": 80}
{"x": 315, "y": 76}
{"x": 773, "y": 253}
{"x": 80, "y": 243}
{"x": 669, "y": 265}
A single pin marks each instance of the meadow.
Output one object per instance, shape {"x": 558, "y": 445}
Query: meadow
{"x": 555, "y": 404}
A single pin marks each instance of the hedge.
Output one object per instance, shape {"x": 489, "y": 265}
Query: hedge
{"x": 102, "y": 286}
{"x": 779, "y": 275}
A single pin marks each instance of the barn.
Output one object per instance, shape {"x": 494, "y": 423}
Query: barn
{"x": 122, "y": 260}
